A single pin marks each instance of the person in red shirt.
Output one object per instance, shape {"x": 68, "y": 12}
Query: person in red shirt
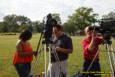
{"x": 90, "y": 46}
{"x": 24, "y": 54}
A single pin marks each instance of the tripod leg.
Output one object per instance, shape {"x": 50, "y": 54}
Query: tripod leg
{"x": 39, "y": 42}
{"x": 110, "y": 60}
{"x": 113, "y": 59}
{"x": 45, "y": 61}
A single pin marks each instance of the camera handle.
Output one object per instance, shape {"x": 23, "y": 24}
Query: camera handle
{"x": 111, "y": 56}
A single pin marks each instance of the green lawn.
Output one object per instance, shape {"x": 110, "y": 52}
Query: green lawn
{"x": 7, "y": 49}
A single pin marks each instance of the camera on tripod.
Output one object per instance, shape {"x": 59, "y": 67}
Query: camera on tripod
{"x": 50, "y": 22}
{"x": 106, "y": 28}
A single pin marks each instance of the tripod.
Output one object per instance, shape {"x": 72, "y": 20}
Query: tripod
{"x": 58, "y": 64}
{"x": 111, "y": 55}
{"x": 40, "y": 48}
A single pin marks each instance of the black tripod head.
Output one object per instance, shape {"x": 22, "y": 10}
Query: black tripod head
{"x": 107, "y": 37}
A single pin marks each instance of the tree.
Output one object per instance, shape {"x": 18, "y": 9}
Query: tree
{"x": 69, "y": 28}
{"x": 37, "y": 26}
{"x": 11, "y": 23}
{"x": 24, "y": 22}
{"x": 3, "y": 27}
{"x": 15, "y": 22}
{"x": 110, "y": 15}
{"x": 82, "y": 17}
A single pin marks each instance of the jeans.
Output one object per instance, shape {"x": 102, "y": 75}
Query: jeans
{"x": 94, "y": 69}
{"x": 23, "y": 69}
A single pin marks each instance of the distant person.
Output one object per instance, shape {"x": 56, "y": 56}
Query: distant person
{"x": 24, "y": 54}
{"x": 90, "y": 45}
{"x": 61, "y": 48}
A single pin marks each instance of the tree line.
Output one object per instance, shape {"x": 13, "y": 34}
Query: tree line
{"x": 82, "y": 17}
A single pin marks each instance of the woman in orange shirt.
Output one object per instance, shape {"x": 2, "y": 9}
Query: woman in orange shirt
{"x": 24, "y": 54}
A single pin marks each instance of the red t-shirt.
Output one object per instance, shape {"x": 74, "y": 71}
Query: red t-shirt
{"x": 89, "y": 55}
{"x": 20, "y": 59}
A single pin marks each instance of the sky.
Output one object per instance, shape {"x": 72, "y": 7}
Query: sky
{"x": 38, "y": 9}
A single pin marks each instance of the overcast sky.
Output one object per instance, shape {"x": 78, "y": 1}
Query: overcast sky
{"x": 37, "y": 9}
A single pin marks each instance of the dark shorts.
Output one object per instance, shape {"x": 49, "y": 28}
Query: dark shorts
{"x": 23, "y": 69}
{"x": 93, "y": 71}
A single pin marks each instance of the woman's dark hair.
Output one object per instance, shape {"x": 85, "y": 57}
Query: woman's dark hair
{"x": 25, "y": 35}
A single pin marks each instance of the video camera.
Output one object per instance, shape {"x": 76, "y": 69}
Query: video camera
{"x": 106, "y": 28}
{"x": 50, "y": 22}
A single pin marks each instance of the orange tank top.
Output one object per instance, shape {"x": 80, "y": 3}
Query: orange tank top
{"x": 20, "y": 59}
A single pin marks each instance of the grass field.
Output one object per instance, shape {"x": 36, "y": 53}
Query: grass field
{"x": 7, "y": 50}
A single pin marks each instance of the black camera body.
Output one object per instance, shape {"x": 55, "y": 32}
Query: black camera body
{"x": 50, "y": 22}
{"x": 108, "y": 24}
{"x": 106, "y": 28}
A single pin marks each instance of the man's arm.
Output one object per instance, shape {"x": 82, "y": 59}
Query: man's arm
{"x": 59, "y": 49}
{"x": 69, "y": 48}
